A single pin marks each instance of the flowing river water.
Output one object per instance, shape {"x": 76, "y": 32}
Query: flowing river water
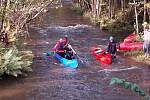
{"x": 50, "y": 80}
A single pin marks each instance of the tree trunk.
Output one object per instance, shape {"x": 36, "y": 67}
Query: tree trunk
{"x": 100, "y": 8}
{"x": 110, "y": 11}
{"x": 136, "y": 16}
{"x": 4, "y": 13}
{"x": 113, "y": 7}
{"x": 123, "y": 9}
{"x": 149, "y": 14}
{"x": 94, "y": 9}
{"x": 123, "y": 6}
{"x": 144, "y": 19}
{"x": 97, "y": 6}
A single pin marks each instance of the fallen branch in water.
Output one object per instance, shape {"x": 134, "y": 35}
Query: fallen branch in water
{"x": 132, "y": 86}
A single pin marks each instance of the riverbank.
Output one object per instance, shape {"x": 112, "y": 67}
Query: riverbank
{"x": 121, "y": 22}
{"x": 14, "y": 22}
{"x": 119, "y": 27}
{"x": 137, "y": 56}
{"x": 140, "y": 58}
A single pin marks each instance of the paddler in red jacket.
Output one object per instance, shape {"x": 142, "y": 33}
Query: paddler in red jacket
{"x": 64, "y": 48}
{"x": 61, "y": 44}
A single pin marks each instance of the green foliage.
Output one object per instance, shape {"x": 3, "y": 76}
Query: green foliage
{"x": 117, "y": 81}
{"x": 78, "y": 9}
{"x": 121, "y": 24}
{"x": 120, "y": 28}
{"x": 131, "y": 86}
{"x": 14, "y": 63}
{"x": 140, "y": 38}
{"x": 147, "y": 5}
{"x": 118, "y": 25}
{"x": 131, "y": 53}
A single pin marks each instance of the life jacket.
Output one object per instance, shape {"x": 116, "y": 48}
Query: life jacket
{"x": 60, "y": 45}
{"x": 112, "y": 47}
{"x": 66, "y": 41}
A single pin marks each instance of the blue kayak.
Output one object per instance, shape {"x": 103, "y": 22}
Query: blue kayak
{"x": 66, "y": 62}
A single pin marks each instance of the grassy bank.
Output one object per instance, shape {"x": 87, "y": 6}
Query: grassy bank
{"x": 136, "y": 55}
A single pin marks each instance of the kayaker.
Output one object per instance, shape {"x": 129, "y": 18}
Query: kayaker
{"x": 66, "y": 42}
{"x": 146, "y": 45}
{"x": 61, "y": 44}
{"x": 64, "y": 48}
{"x": 112, "y": 48}
{"x": 59, "y": 47}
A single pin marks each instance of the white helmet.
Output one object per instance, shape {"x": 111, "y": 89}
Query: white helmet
{"x": 111, "y": 38}
{"x": 66, "y": 35}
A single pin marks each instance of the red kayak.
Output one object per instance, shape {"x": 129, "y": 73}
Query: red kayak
{"x": 102, "y": 56}
{"x": 130, "y": 38}
{"x": 131, "y": 46}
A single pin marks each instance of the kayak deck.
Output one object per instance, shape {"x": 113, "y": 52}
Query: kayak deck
{"x": 102, "y": 56}
{"x": 129, "y": 43}
{"x": 130, "y": 38}
{"x": 131, "y": 46}
{"x": 66, "y": 62}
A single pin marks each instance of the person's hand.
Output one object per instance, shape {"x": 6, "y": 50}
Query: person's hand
{"x": 75, "y": 53}
{"x": 69, "y": 46}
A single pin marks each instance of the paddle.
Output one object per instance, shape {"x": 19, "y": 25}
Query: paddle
{"x": 76, "y": 54}
{"x": 50, "y": 52}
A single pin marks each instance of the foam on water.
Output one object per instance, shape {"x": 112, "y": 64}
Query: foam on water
{"x": 70, "y": 29}
{"x": 116, "y": 69}
{"x": 42, "y": 31}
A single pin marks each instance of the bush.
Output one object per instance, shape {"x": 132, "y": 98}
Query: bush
{"x": 78, "y": 9}
{"x": 13, "y": 62}
{"x": 140, "y": 38}
{"x": 131, "y": 86}
{"x": 133, "y": 53}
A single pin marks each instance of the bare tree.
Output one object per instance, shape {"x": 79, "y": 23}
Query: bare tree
{"x": 16, "y": 13}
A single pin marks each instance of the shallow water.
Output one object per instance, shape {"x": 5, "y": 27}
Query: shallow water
{"x": 50, "y": 80}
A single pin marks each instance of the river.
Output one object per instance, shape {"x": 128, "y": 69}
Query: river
{"x": 50, "y": 80}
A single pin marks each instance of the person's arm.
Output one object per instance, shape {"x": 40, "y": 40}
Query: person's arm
{"x": 115, "y": 48}
{"x": 56, "y": 46}
{"x": 66, "y": 42}
{"x": 72, "y": 49}
{"x": 108, "y": 48}
{"x": 148, "y": 32}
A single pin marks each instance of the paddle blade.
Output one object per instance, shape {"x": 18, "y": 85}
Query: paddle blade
{"x": 48, "y": 53}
